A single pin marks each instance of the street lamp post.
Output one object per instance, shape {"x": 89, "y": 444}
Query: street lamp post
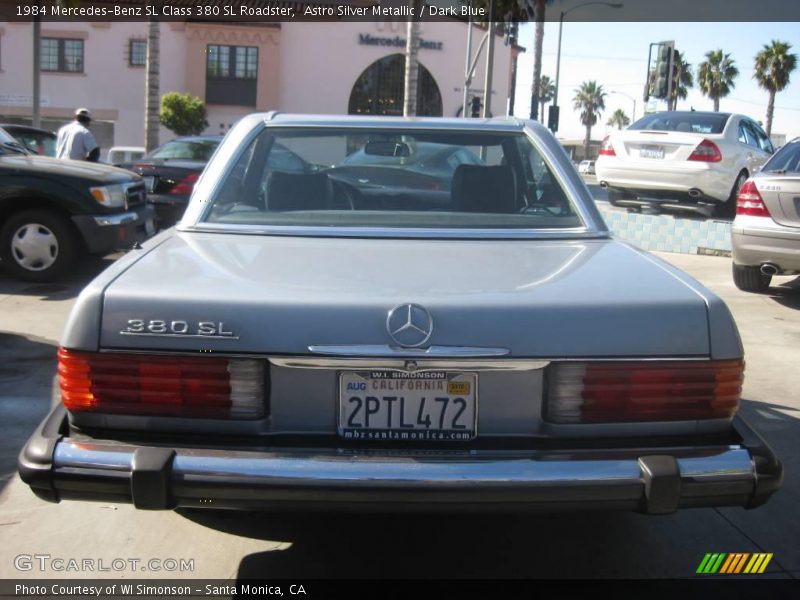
{"x": 564, "y": 13}
{"x": 633, "y": 116}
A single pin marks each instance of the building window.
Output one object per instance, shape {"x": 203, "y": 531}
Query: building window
{"x": 62, "y": 55}
{"x": 379, "y": 90}
{"x": 137, "y": 53}
{"x": 231, "y": 75}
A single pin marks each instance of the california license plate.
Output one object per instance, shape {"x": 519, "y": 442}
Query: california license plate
{"x": 404, "y": 406}
{"x": 651, "y": 152}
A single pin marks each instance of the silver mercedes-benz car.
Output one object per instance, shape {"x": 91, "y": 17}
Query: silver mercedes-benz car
{"x": 765, "y": 235}
{"x": 325, "y": 333}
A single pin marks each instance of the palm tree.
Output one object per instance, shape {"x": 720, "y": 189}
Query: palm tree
{"x": 619, "y": 119}
{"x": 682, "y": 83}
{"x": 773, "y": 66}
{"x": 151, "y": 91}
{"x": 716, "y": 75}
{"x": 590, "y": 99}
{"x": 536, "y": 10}
{"x": 547, "y": 91}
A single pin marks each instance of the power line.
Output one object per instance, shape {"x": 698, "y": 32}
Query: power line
{"x": 760, "y": 103}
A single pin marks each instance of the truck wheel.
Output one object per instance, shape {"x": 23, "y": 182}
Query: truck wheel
{"x": 727, "y": 210}
{"x": 750, "y": 279}
{"x": 38, "y": 245}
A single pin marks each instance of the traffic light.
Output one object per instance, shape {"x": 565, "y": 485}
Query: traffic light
{"x": 663, "y": 71}
{"x": 552, "y": 118}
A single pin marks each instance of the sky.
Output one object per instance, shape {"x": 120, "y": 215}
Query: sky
{"x": 615, "y": 55}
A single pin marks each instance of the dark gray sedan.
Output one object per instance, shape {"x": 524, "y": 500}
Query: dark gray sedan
{"x": 310, "y": 338}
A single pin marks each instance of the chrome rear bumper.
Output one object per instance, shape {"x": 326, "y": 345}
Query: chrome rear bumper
{"x": 157, "y": 477}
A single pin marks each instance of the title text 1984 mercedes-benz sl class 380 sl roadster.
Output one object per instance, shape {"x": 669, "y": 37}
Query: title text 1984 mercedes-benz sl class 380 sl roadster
{"x": 361, "y": 313}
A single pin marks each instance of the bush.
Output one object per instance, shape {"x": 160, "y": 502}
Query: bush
{"x": 183, "y": 114}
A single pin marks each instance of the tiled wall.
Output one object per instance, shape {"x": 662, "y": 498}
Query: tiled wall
{"x": 668, "y": 233}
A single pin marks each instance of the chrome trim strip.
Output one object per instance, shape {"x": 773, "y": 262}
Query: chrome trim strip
{"x": 379, "y": 351}
{"x": 114, "y": 220}
{"x": 571, "y": 233}
{"x": 499, "y": 363}
{"x": 732, "y": 466}
{"x": 409, "y": 364}
{"x": 182, "y": 335}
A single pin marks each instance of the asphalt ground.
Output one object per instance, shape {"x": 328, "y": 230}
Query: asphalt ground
{"x": 239, "y": 545}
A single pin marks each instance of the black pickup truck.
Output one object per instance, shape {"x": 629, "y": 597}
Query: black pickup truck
{"x": 54, "y": 211}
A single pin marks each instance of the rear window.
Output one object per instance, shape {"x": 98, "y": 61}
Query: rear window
{"x": 416, "y": 179}
{"x": 38, "y": 143}
{"x": 186, "y": 150}
{"x": 786, "y": 159}
{"x": 689, "y": 122}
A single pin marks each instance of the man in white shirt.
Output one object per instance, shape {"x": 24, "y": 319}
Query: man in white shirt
{"x": 75, "y": 141}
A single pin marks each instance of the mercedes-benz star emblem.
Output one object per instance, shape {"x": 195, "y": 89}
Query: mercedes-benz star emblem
{"x": 409, "y": 325}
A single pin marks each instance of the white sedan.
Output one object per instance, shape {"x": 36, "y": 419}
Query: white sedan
{"x": 694, "y": 161}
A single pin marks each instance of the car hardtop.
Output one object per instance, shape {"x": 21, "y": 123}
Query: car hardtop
{"x": 249, "y": 127}
{"x": 277, "y": 119}
{"x": 14, "y": 127}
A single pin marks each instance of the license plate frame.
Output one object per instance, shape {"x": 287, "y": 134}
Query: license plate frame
{"x": 652, "y": 152}
{"x": 404, "y": 416}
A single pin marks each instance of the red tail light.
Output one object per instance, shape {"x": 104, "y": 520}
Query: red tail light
{"x": 750, "y": 201}
{"x": 185, "y": 186}
{"x": 606, "y": 149}
{"x": 141, "y": 166}
{"x": 618, "y": 392}
{"x": 161, "y": 385}
{"x": 706, "y": 151}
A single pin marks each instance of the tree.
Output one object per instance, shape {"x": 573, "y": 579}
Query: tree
{"x": 683, "y": 81}
{"x": 547, "y": 91}
{"x": 183, "y": 114}
{"x": 590, "y": 99}
{"x": 151, "y": 91}
{"x": 716, "y": 75}
{"x": 536, "y": 9}
{"x": 773, "y": 65}
{"x": 619, "y": 119}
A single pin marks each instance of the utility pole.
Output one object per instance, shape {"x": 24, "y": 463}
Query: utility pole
{"x": 487, "y": 97}
{"x": 37, "y": 72}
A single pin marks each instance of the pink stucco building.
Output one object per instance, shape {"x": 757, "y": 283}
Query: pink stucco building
{"x": 315, "y": 67}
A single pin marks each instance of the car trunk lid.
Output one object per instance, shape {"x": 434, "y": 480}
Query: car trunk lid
{"x": 648, "y": 146}
{"x": 161, "y": 176}
{"x": 781, "y": 194}
{"x": 280, "y": 295}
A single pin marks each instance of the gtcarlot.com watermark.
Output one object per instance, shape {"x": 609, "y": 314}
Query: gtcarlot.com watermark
{"x": 46, "y": 563}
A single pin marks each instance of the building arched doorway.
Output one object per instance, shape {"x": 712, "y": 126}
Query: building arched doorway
{"x": 379, "y": 90}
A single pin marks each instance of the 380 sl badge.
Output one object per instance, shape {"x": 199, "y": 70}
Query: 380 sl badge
{"x": 179, "y": 328}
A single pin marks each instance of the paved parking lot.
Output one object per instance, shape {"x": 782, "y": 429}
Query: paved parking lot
{"x": 501, "y": 546}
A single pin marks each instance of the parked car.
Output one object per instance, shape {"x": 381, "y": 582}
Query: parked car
{"x": 427, "y": 165}
{"x": 120, "y": 155}
{"x": 38, "y": 141}
{"x": 689, "y": 161}
{"x": 765, "y": 235}
{"x": 302, "y": 341}
{"x": 52, "y": 211}
{"x": 170, "y": 172}
{"x": 586, "y": 167}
